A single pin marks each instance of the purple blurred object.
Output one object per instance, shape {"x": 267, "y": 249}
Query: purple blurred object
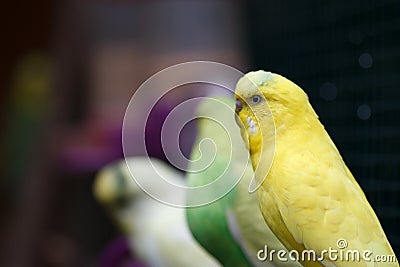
{"x": 117, "y": 254}
{"x": 155, "y": 124}
{"x": 97, "y": 143}
{"x": 91, "y": 148}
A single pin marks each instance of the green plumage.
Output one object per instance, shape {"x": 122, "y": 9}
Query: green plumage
{"x": 231, "y": 228}
{"x": 209, "y": 223}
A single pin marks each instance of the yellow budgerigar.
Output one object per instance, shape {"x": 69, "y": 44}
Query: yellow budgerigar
{"x": 307, "y": 195}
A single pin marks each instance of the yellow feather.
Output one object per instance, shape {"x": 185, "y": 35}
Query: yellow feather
{"x": 309, "y": 198}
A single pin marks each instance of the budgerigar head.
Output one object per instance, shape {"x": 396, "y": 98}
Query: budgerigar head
{"x": 114, "y": 185}
{"x": 260, "y": 94}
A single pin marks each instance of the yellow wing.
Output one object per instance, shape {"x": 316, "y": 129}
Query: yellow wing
{"x": 311, "y": 200}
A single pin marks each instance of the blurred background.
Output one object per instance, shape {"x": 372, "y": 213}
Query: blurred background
{"x": 69, "y": 68}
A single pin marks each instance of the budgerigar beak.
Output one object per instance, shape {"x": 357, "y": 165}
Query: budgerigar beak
{"x": 239, "y": 106}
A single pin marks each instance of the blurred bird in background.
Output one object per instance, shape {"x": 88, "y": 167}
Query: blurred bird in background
{"x": 231, "y": 228}
{"x": 309, "y": 198}
{"x": 158, "y": 233}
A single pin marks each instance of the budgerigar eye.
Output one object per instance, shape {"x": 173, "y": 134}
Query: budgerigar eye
{"x": 255, "y": 99}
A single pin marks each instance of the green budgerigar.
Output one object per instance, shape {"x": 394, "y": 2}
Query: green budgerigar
{"x": 231, "y": 228}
